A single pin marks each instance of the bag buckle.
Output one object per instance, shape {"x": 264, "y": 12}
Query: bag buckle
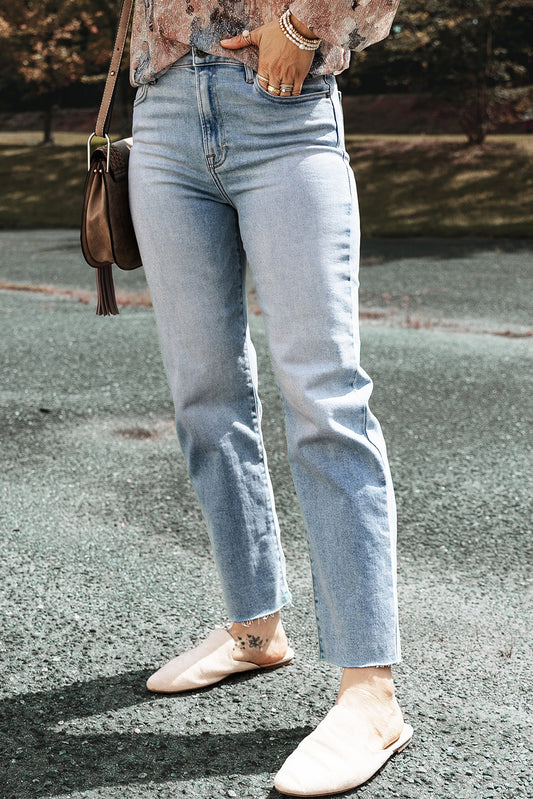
{"x": 91, "y": 137}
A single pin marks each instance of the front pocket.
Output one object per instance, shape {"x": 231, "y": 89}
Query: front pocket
{"x": 314, "y": 88}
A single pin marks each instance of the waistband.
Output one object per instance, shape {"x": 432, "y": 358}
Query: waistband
{"x": 198, "y": 58}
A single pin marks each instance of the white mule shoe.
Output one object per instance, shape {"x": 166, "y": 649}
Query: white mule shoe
{"x": 335, "y": 757}
{"x": 206, "y": 664}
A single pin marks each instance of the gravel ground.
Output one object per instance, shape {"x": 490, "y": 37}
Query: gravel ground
{"x": 105, "y": 570}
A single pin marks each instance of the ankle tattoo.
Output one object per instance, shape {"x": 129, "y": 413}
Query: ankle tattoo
{"x": 251, "y": 642}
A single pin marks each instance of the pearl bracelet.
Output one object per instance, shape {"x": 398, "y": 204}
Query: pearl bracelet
{"x": 294, "y": 36}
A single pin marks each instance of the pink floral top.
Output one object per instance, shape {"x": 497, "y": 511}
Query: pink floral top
{"x": 164, "y": 30}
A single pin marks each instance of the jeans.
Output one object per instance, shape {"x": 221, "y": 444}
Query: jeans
{"x": 222, "y": 172}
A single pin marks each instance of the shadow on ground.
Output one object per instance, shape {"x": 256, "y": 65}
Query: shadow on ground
{"x": 46, "y": 758}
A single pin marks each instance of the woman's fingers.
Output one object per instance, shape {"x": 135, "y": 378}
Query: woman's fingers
{"x": 281, "y": 65}
{"x": 297, "y": 88}
{"x": 244, "y": 39}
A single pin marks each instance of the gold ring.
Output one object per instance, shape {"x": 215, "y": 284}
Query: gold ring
{"x": 262, "y": 77}
{"x": 273, "y": 90}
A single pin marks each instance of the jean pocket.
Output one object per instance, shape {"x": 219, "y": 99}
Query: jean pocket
{"x": 140, "y": 94}
{"x": 315, "y": 87}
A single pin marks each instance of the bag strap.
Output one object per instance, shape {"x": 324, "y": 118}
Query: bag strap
{"x": 104, "y": 115}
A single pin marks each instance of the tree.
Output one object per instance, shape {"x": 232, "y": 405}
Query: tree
{"x": 476, "y": 54}
{"x": 52, "y": 44}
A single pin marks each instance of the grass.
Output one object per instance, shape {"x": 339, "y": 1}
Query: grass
{"x": 408, "y": 185}
{"x": 41, "y": 186}
{"x": 437, "y": 186}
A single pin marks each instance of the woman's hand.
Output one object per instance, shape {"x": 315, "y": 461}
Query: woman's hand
{"x": 281, "y": 63}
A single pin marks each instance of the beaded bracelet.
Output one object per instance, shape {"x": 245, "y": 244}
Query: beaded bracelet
{"x": 294, "y": 36}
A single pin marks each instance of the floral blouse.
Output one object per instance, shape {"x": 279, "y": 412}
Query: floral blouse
{"x": 164, "y": 30}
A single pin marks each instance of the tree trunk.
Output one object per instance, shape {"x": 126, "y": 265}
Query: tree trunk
{"x": 473, "y": 120}
{"x": 48, "y": 119}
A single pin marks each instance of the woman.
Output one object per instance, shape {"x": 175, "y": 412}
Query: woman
{"x": 238, "y": 155}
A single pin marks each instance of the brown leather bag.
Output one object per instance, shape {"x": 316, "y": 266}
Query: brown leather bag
{"x": 107, "y": 234}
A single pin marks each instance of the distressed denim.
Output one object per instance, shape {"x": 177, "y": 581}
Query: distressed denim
{"x": 221, "y": 172}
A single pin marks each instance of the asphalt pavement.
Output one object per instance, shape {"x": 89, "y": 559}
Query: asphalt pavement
{"x": 105, "y": 569}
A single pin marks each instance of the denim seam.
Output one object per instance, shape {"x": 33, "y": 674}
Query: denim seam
{"x": 386, "y": 486}
{"x": 200, "y": 106}
{"x": 210, "y": 159}
{"x": 228, "y": 62}
{"x": 257, "y": 430}
{"x": 382, "y": 460}
{"x": 205, "y": 139}
{"x": 335, "y": 116}
{"x": 220, "y": 123}
{"x": 218, "y": 184}
{"x": 211, "y": 163}
{"x": 321, "y": 650}
{"x": 352, "y": 290}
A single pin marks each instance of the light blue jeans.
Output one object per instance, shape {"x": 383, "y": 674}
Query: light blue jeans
{"x": 221, "y": 172}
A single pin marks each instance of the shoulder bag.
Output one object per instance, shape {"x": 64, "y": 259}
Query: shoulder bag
{"x": 107, "y": 234}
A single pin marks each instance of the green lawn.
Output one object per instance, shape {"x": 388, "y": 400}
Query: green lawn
{"x": 437, "y": 186}
{"x": 408, "y": 185}
{"x": 41, "y": 186}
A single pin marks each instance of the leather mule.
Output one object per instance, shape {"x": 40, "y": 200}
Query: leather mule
{"x": 335, "y": 757}
{"x": 206, "y": 664}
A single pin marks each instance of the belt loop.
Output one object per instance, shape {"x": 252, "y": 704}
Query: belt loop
{"x": 249, "y": 73}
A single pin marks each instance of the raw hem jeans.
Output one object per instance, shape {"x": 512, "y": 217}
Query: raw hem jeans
{"x": 221, "y": 172}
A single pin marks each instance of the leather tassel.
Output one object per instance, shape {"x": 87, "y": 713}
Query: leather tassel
{"x": 106, "y": 302}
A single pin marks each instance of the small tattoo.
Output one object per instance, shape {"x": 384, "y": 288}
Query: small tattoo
{"x": 253, "y": 642}
{"x": 256, "y": 642}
